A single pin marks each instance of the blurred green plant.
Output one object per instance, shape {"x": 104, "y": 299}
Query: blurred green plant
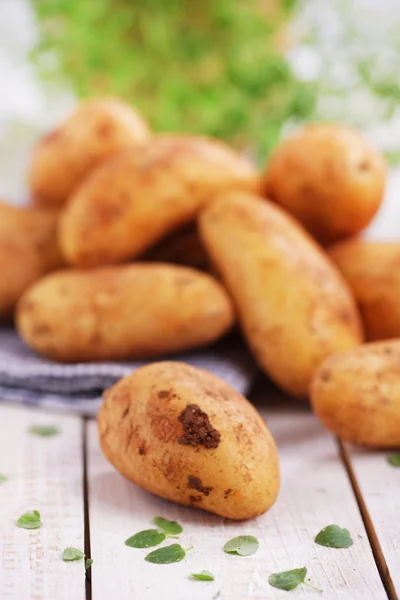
{"x": 212, "y": 66}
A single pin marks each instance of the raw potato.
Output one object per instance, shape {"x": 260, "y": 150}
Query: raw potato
{"x": 28, "y": 250}
{"x": 292, "y": 303}
{"x": 329, "y": 178}
{"x": 97, "y": 129}
{"x": 115, "y": 313}
{"x": 372, "y": 271}
{"x": 136, "y": 199}
{"x": 184, "y": 434}
{"x": 356, "y": 394}
{"x": 183, "y": 247}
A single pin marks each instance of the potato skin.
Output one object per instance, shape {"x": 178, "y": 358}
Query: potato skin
{"x": 28, "y": 250}
{"x": 130, "y": 312}
{"x": 372, "y": 272}
{"x": 183, "y": 247}
{"x": 97, "y": 129}
{"x": 134, "y": 200}
{"x": 356, "y": 394}
{"x": 292, "y": 303}
{"x": 329, "y": 178}
{"x": 150, "y": 429}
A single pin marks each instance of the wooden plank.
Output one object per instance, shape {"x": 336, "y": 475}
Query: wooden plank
{"x": 378, "y": 484}
{"x": 44, "y": 474}
{"x": 315, "y": 492}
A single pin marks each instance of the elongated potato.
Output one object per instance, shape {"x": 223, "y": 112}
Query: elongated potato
{"x": 97, "y": 129}
{"x": 28, "y": 250}
{"x": 293, "y": 305}
{"x": 134, "y": 200}
{"x": 187, "y": 436}
{"x": 356, "y": 394}
{"x": 372, "y": 272}
{"x": 137, "y": 311}
{"x": 329, "y": 177}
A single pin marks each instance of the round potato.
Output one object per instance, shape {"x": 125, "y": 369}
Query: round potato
{"x": 130, "y": 312}
{"x": 293, "y": 305}
{"x": 372, "y": 271}
{"x": 356, "y": 394}
{"x": 329, "y": 178}
{"x": 97, "y": 129}
{"x": 134, "y": 200}
{"x": 187, "y": 436}
{"x": 183, "y": 247}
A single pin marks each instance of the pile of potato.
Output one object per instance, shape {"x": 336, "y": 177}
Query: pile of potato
{"x": 161, "y": 243}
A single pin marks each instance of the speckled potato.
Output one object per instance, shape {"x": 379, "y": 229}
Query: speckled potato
{"x": 372, "y": 272}
{"x": 183, "y": 247}
{"x": 356, "y": 394}
{"x": 97, "y": 129}
{"x": 129, "y": 312}
{"x": 136, "y": 199}
{"x": 329, "y": 178}
{"x": 28, "y": 250}
{"x": 187, "y": 436}
{"x": 293, "y": 305}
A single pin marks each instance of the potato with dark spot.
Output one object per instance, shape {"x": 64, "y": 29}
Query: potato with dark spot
{"x": 139, "y": 197}
{"x": 356, "y": 394}
{"x": 329, "y": 177}
{"x": 372, "y": 270}
{"x": 184, "y": 434}
{"x": 293, "y": 305}
{"x": 138, "y": 311}
{"x": 97, "y": 129}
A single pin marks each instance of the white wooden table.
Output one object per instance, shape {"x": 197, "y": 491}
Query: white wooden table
{"x": 85, "y": 503}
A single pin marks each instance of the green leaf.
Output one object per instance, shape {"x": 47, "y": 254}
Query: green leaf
{"x": 88, "y": 563}
{"x": 217, "y": 595}
{"x": 165, "y": 556}
{"x": 288, "y": 580}
{"x": 202, "y": 576}
{"x": 244, "y": 545}
{"x": 170, "y": 527}
{"x": 394, "y": 460}
{"x": 145, "y": 539}
{"x": 72, "y": 553}
{"x": 44, "y": 430}
{"x": 334, "y": 536}
{"x": 30, "y": 520}
{"x": 3, "y": 478}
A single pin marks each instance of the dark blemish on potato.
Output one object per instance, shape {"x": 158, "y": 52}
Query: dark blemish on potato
{"x": 195, "y": 499}
{"x": 41, "y": 330}
{"x": 197, "y": 429}
{"x": 163, "y": 394}
{"x": 195, "y": 483}
{"x": 104, "y": 130}
{"x": 364, "y": 165}
{"x": 325, "y": 375}
{"x": 125, "y": 413}
{"x": 142, "y": 450}
{"x": 226, "y": 493}
{"x": 345, "y": 315}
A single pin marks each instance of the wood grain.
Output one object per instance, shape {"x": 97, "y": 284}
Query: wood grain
{"x": 44, "y": 474}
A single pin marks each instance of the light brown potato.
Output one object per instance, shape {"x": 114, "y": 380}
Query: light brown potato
{"x": 28, "y": 250}
{"x": 130, "y": 312}
{"x": 329, "y": 178}
{"x": 293, "y": 305}
{"x": 97, "y": 129}
{"x": 183, "y": 247}
{"x": 136, "y": 199}
{"x": 187, "y": 436}
{"x": 372, "y": 272}
{"x": 356, "y": 394}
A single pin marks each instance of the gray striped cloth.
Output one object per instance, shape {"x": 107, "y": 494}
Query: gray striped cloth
{"x": 77, "y": 388}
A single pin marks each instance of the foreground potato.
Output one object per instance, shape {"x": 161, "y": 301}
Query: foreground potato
{"x": 329, "y": 178}
{"x": 28, "y": 250}
{"x": 136, "y": 199}
{"x": 97, "y": 129}
{"x": 138, "y": 311}
{"x": 356, "y": 394}
{"x": 187, "y": 436}
{"x": 372, "y": 272}
{"x": 293, "y": 305}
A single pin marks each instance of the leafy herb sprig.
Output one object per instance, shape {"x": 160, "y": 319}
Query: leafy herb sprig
{"x": 30, "y": 520}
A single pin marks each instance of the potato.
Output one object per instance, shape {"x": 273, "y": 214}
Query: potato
{"x": 130, "y": 312}
{"x": 356, "y": 394}
{"x": 293, "y": 305}
{"x": 183, "y": 247}
{"x": 184, "y": 434}
{"x": 136, "y": 199}
{"x": 28, "y": 250}
{"x": 372, "y": 271}
{"x": 329, "y": 178}
{"x": 97, "y": 129}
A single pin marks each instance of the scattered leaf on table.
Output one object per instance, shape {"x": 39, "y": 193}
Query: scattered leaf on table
{"x": 165, "y": 556}
{"x": 3, "y": 478}
{"x": 334, "y": 536}
{"x": 30, "y": 520}
{"x": 88, "y": 563}
{"x": 44, "y": 430}
{"x": 72, "y": 553}
{"x": 145, "y": 539}
{"x": 289, "y": 580}
{"x": 202, "y": 576}
{"x": 394, "y": 460}
{"x": 243, "y": 545}
{"x": 170, "y": 527}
